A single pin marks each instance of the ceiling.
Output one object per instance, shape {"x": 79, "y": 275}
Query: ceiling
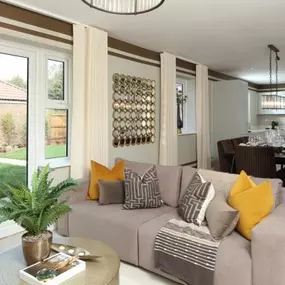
{"x": 226, "y": 35}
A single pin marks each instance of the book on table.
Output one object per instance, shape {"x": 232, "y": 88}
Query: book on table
{"x": 48, "y": 273}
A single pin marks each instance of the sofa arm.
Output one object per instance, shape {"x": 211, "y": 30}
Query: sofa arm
{"x": 78, "y": 194}
{"x": 268, "y": 249}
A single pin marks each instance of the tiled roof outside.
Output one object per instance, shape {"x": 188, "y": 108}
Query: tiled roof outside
{"x": 10, "y": 92}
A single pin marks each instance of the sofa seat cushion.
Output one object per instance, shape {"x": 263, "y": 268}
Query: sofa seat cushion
{"x": 112, "y": 225}
{"x": 233, "y": 265}
{"x": 169, "y": 178}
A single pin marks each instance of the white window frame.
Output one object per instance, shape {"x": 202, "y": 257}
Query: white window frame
{"x": 24, "y": 51}
{"x": 37, "y": 103}
{"x": 38, "y": 99}
{"x": 57, "y": 104}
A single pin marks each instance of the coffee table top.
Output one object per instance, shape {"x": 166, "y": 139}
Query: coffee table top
{"x": 103, "y": 271}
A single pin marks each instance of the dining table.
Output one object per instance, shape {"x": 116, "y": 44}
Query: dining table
{"x": 279, "y": 158}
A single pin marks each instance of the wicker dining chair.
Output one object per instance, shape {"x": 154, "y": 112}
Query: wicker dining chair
{"x": 226, "y": 154}
{"x": 256, "y": 161}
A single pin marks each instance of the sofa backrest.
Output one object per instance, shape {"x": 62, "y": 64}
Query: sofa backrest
{"x": 169, "y": 178}
{"x": 223, "y": 182}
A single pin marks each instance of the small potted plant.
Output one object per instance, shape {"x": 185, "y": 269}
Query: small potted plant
{"x": 274, "y": 125}
{"x": 35, "y": 210}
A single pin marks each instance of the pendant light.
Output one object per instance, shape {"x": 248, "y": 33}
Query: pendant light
{"x": 124, "y": 7}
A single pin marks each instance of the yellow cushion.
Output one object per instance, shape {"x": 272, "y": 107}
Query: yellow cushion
{"x": 254, "y": 203}
{"x": 242, "y": 184}
{"x": 100, "y": 172}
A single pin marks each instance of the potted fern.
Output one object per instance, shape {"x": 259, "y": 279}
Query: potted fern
{"x": 35, "y": 210}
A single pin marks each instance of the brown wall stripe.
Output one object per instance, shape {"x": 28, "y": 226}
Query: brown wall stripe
{"x": 223, "y": 76}
{"x": 133, "y": 59}
{"x": 35, "y": 19}
{"x": 185, "y": 72}
{"x": 32, "y": 18}
{"x": 190, "y": 163}
{"x": 267, "y": 86}
{"x": 35, "y": 33}
{"x": 219, "y": 75}
{"x": 133, "y": 49}
{"x": 185, "y": 64}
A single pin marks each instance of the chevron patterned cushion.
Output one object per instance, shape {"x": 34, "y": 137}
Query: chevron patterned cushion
{"x": 141, "y": 191}
{"x": 196, "y": 199}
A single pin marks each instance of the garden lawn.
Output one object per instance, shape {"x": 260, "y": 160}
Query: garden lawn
{"x": 11, "y": 174}
{"x": 52, "y": 151}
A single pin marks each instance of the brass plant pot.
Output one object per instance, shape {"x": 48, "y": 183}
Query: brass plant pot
{"x": 36, "y": 249}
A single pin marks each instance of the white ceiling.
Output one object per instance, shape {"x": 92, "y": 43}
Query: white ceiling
{"x": 229, "y": 36}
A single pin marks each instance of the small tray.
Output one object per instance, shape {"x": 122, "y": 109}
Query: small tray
{"x": 29, "y": 274}
{"x": 74, "y": 250}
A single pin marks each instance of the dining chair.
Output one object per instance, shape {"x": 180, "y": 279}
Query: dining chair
{"x": 257, "y": 161}
{"x": 226, "y": 155}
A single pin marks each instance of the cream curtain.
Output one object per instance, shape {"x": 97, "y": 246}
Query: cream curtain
{"x": 203, "y": 117}
{"x": 168, "y": 117}
{"x": 89, "y": 133}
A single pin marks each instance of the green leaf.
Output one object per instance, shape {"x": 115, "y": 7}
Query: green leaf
{"x": 36, "y": 208}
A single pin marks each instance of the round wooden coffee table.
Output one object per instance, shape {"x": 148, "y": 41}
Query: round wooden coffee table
{"x": 103, "y": 271}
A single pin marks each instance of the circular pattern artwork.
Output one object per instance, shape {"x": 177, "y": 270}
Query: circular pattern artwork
{"x": 133, "y": 110}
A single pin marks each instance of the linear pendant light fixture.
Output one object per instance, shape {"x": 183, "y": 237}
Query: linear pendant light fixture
{"x": 273, "y": 100}
{"x": 124, "y": 7}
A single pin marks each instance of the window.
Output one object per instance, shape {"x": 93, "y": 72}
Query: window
{"x": 180, "y": 101}
{"x": 55, "y": 80}
{"x": 56, "y": 133}
{"x": 34, "y": 108}
{"x": 57, "y": 106}
{"x": 13, "y": 118}
{"x": 186, "y": 105}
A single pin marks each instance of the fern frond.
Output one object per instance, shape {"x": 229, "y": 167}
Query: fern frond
{"x": 37, "y": 208}
{"x": 50, "y": 216}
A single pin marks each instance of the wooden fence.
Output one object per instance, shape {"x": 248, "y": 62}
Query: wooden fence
{"x": 57, "y": 129}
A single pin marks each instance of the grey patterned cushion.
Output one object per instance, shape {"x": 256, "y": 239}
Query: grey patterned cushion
{"x": 196, "y": 199}
{"x": 141, "y": 191}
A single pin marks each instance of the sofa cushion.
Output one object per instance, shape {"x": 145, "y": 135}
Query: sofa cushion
{"x": 221, "y": 218}
{"x": 111, "y": 192}
{"x": 222, "y": 181}
{"x": 233, "y": 265}
{"x": 99, "y": 171}
{"x": 187, "y": 175}
{"x": 142, "y": 192}
{"x": 254, "y": 203}
{"x": 169, "y": 178}
{"x": 196, "y": 199}
{"x": 112, "y": 225}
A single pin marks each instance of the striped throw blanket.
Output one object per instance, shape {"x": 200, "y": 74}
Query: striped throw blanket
{"x": 187, "y": 252}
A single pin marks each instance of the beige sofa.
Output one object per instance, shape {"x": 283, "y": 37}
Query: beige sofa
{"x": 132, "y": 233}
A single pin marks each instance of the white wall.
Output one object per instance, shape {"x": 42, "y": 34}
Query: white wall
{"x": 187, "y": 148}
{"x": 142, "y": 153}
{"x": 253, "y": 108}
{"x": 230, "y": 111}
